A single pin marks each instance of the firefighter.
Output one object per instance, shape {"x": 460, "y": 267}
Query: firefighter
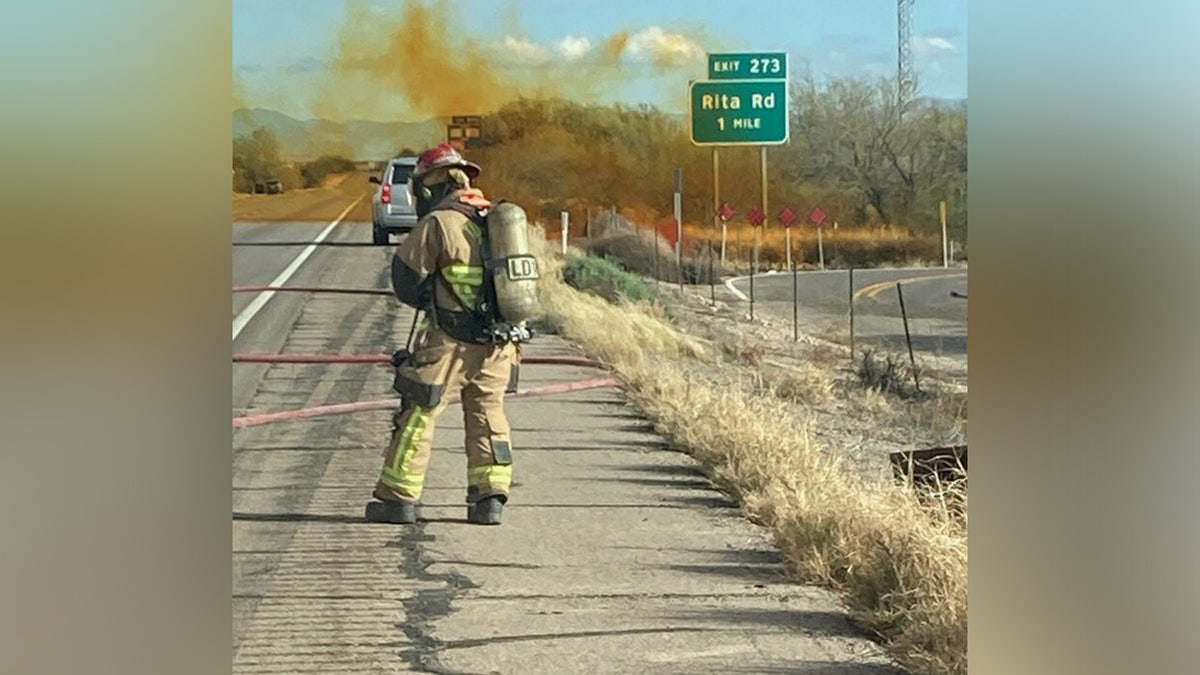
{"x": 463, "y": 346}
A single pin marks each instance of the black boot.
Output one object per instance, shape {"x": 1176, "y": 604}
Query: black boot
{"x": 395, "y": 512}
{"x": 486, "y": 511}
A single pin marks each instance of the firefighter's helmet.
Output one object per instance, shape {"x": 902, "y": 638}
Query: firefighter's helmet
{"x": 443, "y": 155}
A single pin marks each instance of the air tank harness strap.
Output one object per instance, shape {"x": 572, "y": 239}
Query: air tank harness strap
{"x": 471, "y": 325}
{"x": 463, "y": 326}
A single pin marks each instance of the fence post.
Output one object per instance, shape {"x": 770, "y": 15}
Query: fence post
{"x": 908, "y": 338}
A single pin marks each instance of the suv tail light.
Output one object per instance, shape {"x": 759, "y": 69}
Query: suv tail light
{"x": 386, "y": 197}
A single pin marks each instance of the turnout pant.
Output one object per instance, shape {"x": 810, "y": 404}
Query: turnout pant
{"x": 480, "y": 373}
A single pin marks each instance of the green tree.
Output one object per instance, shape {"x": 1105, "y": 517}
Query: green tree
{"x": 256, "y": 158}
{"x": 885, "y": 163}
{"x": 315, "y": 172}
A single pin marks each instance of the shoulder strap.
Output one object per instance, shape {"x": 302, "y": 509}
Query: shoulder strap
{"x": 467, "y": 210}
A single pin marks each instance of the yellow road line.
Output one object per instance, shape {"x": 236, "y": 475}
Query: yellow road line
{"x": 879, "y": 287}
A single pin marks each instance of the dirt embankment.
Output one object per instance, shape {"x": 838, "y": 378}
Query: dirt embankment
{"x": 309, "y": 204}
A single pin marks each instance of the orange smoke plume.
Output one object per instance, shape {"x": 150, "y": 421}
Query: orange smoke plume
{"x": 419, "y": 63}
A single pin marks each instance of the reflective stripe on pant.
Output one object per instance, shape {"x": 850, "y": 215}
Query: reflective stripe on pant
{"x": 488, "y": 480}
{"x": 407, "y": 458}
{"x": 481, "y": 373}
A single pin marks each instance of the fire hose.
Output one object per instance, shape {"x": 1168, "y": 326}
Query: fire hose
{"x": 310, "y": 289}
{"x": 391, "y": 403}
{"x": 347, "y": 244}
{"x": 387, "y": 358}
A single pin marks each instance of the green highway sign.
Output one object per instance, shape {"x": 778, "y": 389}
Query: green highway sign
{"x": 748, "y": 66}
{"x": 739, "y": 112}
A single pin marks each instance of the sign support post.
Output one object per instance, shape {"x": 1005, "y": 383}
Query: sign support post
{"x": 763, "y": 162}
{"x": 817, "y": 216}
{"x": 744, "y": 101}
{"x": 717, "y": 200}
{"x": 787, "y": 216}
{"x": 756, "y": 218}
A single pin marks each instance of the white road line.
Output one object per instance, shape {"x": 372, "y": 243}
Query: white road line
{"x": 729, "y": 285}
{"x": 729, "y": 282}
{"x": 260, "y": 301}
{"x": 743, "y": 296}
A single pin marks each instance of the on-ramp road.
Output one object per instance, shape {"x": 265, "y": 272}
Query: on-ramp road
{"x": 937, "y": 318}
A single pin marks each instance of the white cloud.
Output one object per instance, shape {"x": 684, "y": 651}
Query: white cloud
{"x": 573, "y": 47}
{"x": 659, "y": 45}
{"x": 651, "y": 44}
{"x": 524, "y": 51}
{"x": 937, "y": 45}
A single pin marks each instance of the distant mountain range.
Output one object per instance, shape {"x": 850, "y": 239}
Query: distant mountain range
{"x": 355, "y": 139}
{"x": 368, "y": 140}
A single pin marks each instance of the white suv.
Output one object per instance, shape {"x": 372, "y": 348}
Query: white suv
{"x": 395, "y": 211}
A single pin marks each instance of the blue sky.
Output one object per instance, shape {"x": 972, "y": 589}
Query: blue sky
{"x": 282, "y": 47}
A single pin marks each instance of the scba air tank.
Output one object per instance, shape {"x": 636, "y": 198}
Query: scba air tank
{"x": 514, "y": 268}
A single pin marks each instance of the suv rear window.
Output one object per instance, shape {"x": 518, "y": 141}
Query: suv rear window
{"x": 400, "y": 173}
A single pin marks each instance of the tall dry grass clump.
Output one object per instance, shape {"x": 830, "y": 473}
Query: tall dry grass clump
{"x": 858, "y": 247}
{"x": 645, "y": 252}
{"x": 901, "y": 563}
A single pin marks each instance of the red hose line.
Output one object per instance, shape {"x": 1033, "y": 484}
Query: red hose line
{"x": 312, "y": 358}
{"x": 393, "y": 403}
{"x": 306, "y": 243}
{"x": 311, "y": 289}
{"x": 387, "y": 358}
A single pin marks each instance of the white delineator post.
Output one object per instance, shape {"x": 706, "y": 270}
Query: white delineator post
{"x": 787, "y": 229}
{"x": 564, "y": 232}
{"x": 679, "y": 222}
{"x": 821, "y": 245}
{"x": 945, "y": 245}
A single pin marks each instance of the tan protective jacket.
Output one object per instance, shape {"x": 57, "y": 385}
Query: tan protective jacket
{"x": 448, "y": 242}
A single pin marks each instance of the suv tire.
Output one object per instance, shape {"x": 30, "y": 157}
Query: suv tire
{"x": 378, "y": 236}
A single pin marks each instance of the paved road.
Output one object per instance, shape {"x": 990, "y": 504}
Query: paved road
{"x": 937, "y": 319}
{"x": 616, "y": 555}
{"x": 259, "y": 266}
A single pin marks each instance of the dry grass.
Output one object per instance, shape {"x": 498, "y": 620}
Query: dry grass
{"x": 636, "y": 249}
{"x": 311, "y": 204}
{"x": 844, "y": 247}
{"x": 648, "y": 251}
{"x": 901, "y": 562}
{"x": 889, "y": 373}
{"x": 808, "y": 384}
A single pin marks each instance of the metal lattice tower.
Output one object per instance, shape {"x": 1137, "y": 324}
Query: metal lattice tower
{"x": 906, "y": 79}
